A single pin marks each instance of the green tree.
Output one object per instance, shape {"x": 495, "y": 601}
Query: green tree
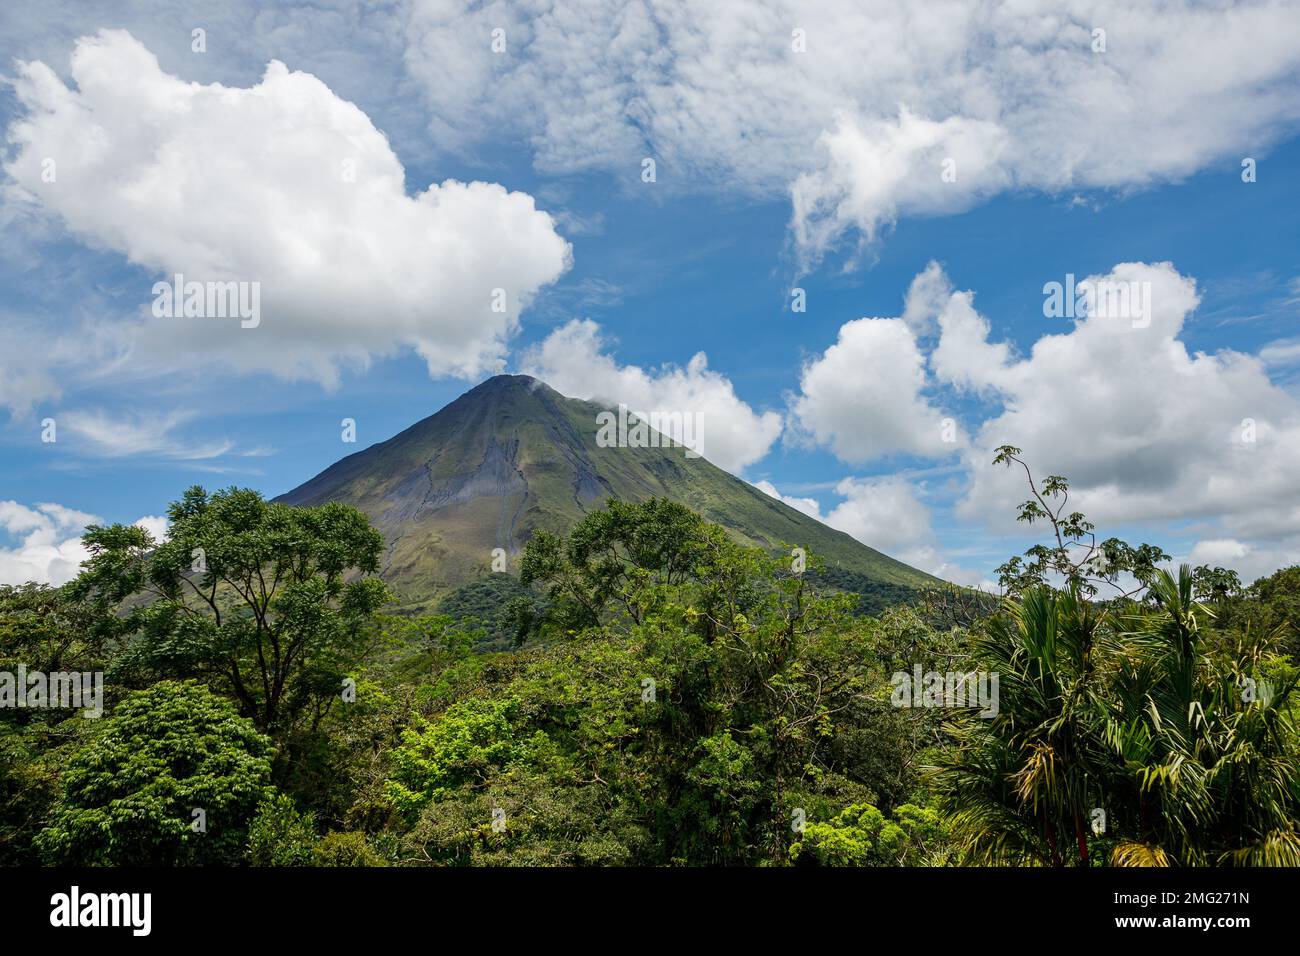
{"x": 757, "y": 677}
{"x": 48, "y": 629}
{"x": 350, "y": 849}
{"x": 553, "y": 738}
{"x": 131, "y": 791}
{"x": 280, "y": 835}
{"x": 860, "y": 835}
{"x": 1072, "y": 555}
{"x": 260, "y": 599}
{"x": 1186, "y": 754}
{"x": 43, "y": 629}
{"x": 1022, "y": 784}
{"x": 470, "y": 739}
{"x": 1270, "y": 605}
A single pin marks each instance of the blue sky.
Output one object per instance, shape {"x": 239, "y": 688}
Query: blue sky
{"x": 702, "y": 260}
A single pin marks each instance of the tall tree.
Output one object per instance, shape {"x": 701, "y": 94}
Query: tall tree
{"x": 271, "y": 603}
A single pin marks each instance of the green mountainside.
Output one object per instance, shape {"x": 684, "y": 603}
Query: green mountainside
{"x": 513, "y": 455}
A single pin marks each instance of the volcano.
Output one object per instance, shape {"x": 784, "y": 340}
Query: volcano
{"x": 512, "y": 456}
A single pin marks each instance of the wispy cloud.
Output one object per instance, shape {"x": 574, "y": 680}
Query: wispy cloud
{"x": 147, "y": 435}
{"x": 1281, "y": 352}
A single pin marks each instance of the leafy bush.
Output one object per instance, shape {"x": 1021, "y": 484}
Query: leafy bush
{"x": 470, "y": 739}
{"x": 131, "y": 791}
{"x": 345, "y": 849}
{"x": 860, "y": 835}
{"x": 280, "y": 835}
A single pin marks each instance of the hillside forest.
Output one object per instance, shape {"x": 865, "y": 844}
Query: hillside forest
{"x": 646, "y": 691}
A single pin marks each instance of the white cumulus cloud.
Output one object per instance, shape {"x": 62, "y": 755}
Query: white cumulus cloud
{"x": 1185, "y": 446}
{"x": 573, "y": 359}
{"x": 808, "y": 506}
{"x": 282, "y": 184}
{"x": 1146, "y": 431}
{"x": 45, "y": 541}
{"x": 47, "y": 546}
{"x": 1250, "y": 560}
{"x": 865, "y": 397}
{"x": 888, "y": 514}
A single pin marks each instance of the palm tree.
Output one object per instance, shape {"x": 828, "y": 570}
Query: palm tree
{"x": 1221, "y": 766}
{"x": 1020, "y": 786}
{"x": 1188, "y": 747}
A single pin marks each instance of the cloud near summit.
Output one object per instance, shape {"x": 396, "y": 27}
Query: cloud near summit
{"x": 575, "y": 360}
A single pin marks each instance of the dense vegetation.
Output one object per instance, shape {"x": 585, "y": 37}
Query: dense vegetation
{"x": 646, "y": 691}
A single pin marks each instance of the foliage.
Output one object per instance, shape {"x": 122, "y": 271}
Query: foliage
{"x": 43, "y": 629}
{"x": 874, "y": 596}
{"x": 497, "y": 609}
{"x": 860, "y": 835}
{"x": 346, "y": 849}
{"x": 131, "y": 790}
{"x": 1132, "y": 720}
{"x": 1073, "y": 555}
{"x": 698, "y": 685}
{"x": 648, "y": 692}
{"x": 47, "y": 629}
{"x": 253, "y": 597}
{"x": 1269, "y": 606}
{"x": 280, "y": 835}
{"x": 467, "y": 742}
